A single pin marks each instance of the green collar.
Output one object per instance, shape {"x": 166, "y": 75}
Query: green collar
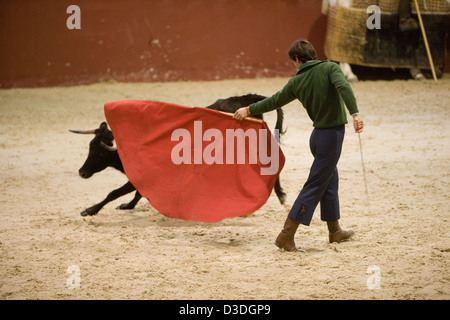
{"x": 308, "y": 64}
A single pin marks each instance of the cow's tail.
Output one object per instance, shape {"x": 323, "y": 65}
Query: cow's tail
{"x": 279, "y": 124}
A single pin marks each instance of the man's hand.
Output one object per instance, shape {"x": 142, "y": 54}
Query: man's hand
{"x": 358, "y": 124}
{"x": 241, "y": 113}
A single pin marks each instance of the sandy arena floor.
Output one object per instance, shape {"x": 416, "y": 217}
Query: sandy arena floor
{"x": 402, "y": 227}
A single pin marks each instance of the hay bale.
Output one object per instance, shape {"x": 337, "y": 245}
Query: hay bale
{"x": 349, "y": 40}
{"x": 391, "y": 6}
{"x": 346, "y": 34}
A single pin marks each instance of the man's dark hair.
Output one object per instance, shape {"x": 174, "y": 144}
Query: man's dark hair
{"x": 303, "y": 51}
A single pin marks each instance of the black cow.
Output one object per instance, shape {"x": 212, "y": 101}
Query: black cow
{"x": 103, "y": 154}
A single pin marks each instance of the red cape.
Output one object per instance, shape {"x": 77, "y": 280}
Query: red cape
{"x": 191, "y": 183}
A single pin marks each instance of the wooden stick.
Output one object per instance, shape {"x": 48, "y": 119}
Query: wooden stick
{"x": 362, "y": 162}
{"x": 426, "y": 41}
{"x": 363, "y": 167}
{"x": 248, "y": 118}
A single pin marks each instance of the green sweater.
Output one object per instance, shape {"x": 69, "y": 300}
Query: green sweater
{"x": 322, "y": 89}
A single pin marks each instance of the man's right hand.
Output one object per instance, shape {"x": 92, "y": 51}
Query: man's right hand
{"x": 358, "y": 124}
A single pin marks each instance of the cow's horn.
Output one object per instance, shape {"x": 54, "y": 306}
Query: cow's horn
{"x": 90, "y": 131}
{"x": 109, "y": 148}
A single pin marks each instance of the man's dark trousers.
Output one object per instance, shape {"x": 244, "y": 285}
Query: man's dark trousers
{"x": 323, "y": 181}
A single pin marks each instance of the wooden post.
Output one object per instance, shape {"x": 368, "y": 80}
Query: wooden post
{"x": 426, "y": 41}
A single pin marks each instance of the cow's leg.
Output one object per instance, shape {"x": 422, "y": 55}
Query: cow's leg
{"x": 347, "y": 71}
{"x": 279, "y": 191}
{"x": 125, "y": 189}
{"x": 416, "y": 74}
{"x": 130, "y": 205}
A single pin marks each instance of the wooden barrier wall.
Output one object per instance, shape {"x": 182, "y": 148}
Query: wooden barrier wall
{"x": 152, "y": 40}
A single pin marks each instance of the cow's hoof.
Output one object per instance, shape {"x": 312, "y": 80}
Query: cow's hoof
{"x": 87, "y": 212}
{"x": 125, "y": 206}
{"x": 282, "y": 198}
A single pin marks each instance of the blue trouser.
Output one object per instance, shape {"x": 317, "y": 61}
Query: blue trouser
{"x": 323, "y": 181}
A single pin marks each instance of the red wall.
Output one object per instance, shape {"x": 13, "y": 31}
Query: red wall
{"x": 152, "y": 40}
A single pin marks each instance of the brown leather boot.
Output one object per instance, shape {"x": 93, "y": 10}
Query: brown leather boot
{"x": 337, "y": 234}
{"x": 285, "y": 239}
